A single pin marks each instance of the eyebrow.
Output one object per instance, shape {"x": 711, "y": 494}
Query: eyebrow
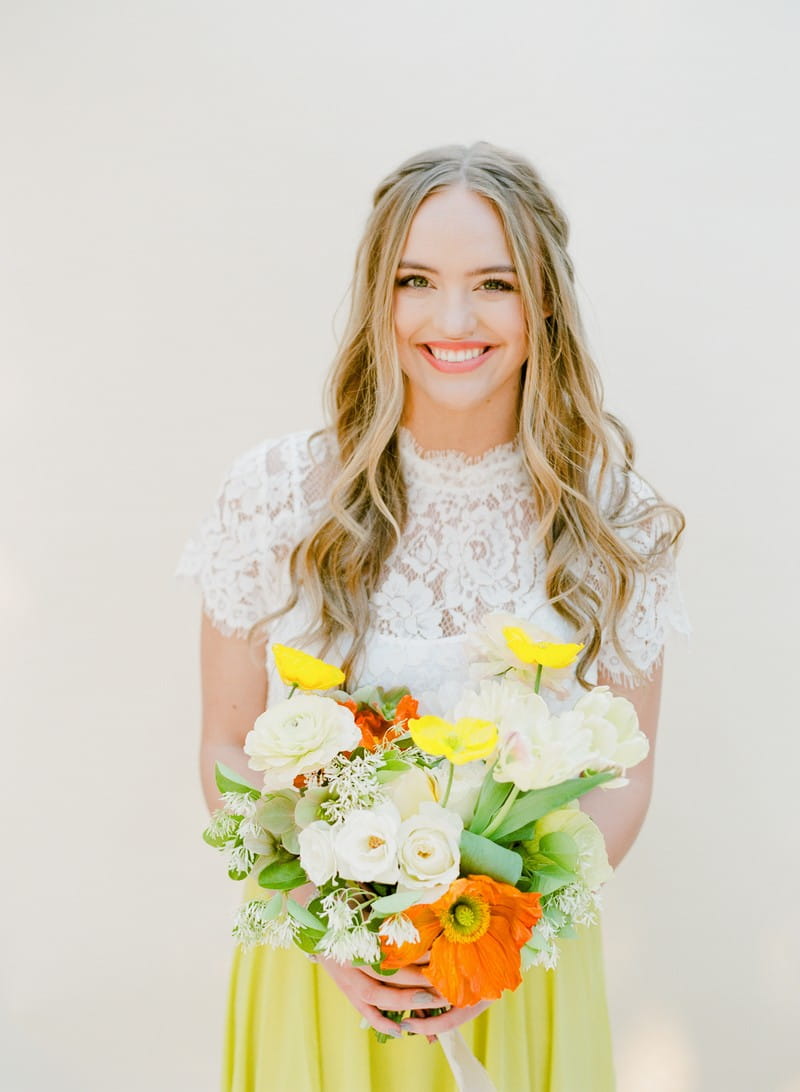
{"x": 472, "y": 273}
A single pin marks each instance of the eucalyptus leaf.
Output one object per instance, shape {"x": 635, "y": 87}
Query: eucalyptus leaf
{"x": 275, "y": 812}
{"x": 290, "y": 839}
{"x": 304, "y": 916}
{"x": 483, "y": 857}
{"x": 228, "y": 780}
{"x": 535, "y": 803}
{"x": 283, "y": 875}
{"x": 395, "y": 904}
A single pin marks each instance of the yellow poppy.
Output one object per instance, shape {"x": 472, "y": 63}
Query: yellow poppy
{"x": 466, "y": 740}
{"x": 298, "y": 668}
{"x": 546, "y": 653}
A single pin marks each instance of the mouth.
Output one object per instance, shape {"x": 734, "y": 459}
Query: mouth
{"x": 464, "y": 359}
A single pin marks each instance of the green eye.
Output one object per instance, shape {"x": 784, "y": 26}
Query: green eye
{"x": 413, "y": 280}
{"x": 498, "y": 286}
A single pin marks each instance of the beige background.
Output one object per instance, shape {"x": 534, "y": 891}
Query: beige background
{"x": 182, "y": 187}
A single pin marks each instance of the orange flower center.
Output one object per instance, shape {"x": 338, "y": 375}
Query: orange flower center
{"x": 465, "y": 920}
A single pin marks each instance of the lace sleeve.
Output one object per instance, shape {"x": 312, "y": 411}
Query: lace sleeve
{"x": 237, "y": 552}
{"x": 656, "y": 605}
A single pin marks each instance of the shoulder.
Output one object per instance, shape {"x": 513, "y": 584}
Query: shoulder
{"x": 286, "y": 474}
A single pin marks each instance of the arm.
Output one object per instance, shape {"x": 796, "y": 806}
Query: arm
{"x": 234, "y": 690}
{"x": 620, "y": 813}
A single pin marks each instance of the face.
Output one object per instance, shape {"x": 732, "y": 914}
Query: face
{"x": 459, "y": 323}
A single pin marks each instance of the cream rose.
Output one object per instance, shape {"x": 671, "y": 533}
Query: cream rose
{"x": 614, "y": 725}
{"x": 298, "y": 736}
{"x": 429, "y": 847}
{"x": 316, "y": 852}
{"x": 410, "y": 789}
{"x": 365, "y": 844}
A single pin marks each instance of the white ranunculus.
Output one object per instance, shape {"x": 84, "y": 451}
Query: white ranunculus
{"x": 410, "y": 789}
{"x": 429, "y": 847}
{"x": 614, "y": 724}
{"x": 299, "y": 736}
{"x": 316, "y": 852}
{"x": 465, "y": 787}
{"x": 536, "y": 753}
{"x": 365, "y": 844}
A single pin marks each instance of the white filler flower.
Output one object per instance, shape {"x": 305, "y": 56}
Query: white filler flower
{"x": 298, "y": 736}
{"x": 429, "y": 847}
{"x": 365, "y": 844}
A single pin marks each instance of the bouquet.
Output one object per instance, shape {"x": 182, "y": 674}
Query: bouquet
{"x": 459, "y": 838}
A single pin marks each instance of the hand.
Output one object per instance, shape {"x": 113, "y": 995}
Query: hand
{"x": 431, "y": 1026}
{"x": 369, "y": 993}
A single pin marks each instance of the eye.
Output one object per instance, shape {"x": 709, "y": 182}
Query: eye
{"x": 413, "y": 280}
{"x": 495, "y": 285}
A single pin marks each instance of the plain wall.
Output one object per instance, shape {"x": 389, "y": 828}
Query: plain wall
{"x": 183, "y": 184}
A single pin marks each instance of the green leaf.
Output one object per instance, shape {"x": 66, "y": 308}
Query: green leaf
{"x": 304, "y": 917}
{"x": 283, "y": 875}
{"x": 308, "y": 939}
{"x": 535, "y": 803}
{"x": 274, "y": 907}
{"x": 228, "y": 780}
{"x": 275, "y": 812}
{"x": 395, "y": 904}
{"x": 490, "y": 800}
{"x": 483, "y": 857}
{"x": 560, "y": 848}
{"x": 550, "y": 878}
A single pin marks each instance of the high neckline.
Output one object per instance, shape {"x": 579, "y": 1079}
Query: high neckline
{"x": 453, "y": 468}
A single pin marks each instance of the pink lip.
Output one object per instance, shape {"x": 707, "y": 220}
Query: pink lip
{"x": 456, "y": 366}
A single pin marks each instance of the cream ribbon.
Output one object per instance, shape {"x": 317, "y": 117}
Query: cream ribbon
{"x": 468, "y": 1073}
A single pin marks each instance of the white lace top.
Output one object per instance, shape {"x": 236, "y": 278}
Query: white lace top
{"x": 467, "y": 550}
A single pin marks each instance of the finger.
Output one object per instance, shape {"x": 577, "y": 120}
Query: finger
{"x": 377, "y": 1020}
{"x": 396, "y": 999}
{"x": 407, "y": 976}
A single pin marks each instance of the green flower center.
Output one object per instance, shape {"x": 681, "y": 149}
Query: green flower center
{"x": 466, "y": 920}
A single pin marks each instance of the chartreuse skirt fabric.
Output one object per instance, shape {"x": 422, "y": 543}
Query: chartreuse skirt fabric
{"x": 290, "y": 1029}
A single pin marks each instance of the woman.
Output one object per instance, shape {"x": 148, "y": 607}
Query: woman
{"x": 470, "y": 469}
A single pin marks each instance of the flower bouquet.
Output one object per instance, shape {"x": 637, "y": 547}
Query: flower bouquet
{"x": 459, "y": 839}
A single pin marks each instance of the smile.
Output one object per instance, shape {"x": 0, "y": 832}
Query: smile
{"x": 456, "y": 360}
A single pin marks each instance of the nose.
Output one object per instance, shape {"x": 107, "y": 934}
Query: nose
{"x": 456, "y": 315}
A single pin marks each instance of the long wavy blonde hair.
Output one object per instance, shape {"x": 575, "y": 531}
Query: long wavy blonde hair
{"x": 567, "y": 439}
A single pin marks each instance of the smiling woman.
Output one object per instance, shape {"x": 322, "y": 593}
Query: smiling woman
{"x": 470, "y": 470}
{"x": 460, "y": 325}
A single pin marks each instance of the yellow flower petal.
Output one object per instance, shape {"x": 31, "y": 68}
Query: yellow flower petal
{"x": 298, "y": 668}
{"x": 465, "y": 741}
{"x": 546, "y": 653}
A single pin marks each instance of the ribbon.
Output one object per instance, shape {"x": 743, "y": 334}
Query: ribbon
{"x": 468, "y": 1073}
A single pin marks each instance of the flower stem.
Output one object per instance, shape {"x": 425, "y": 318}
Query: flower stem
{"x": 294, "y": 687}
{"x": 449, "y": 784}
{"x": 502, "y": 813}
{"x": 538, "y": 681}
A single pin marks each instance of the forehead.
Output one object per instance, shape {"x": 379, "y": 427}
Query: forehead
{"x": 457, "y": 223}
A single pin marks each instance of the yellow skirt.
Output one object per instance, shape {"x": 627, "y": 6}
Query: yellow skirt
{"x": 290, "y": 1029}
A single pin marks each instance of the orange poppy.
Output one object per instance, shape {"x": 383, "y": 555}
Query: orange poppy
{"x": 377, "y": 729}
{"x": 474, "y": 933}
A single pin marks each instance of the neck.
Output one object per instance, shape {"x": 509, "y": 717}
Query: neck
{"x": 470, "y": 432}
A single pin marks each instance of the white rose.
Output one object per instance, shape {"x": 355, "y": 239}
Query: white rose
{"x": 465, "y": 787}
{"x": 365, "y": 844}
{"x": 614, "y": 725}
{"x": 316, "y": 852}
{"x": 536, "y": 753}
{"x": 429, "y": 847}
{"x": 410, "y": 789}
{"x": 298, "y": 736}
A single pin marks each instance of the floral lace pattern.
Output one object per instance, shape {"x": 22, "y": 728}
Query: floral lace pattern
{"x": 467, "y": 550}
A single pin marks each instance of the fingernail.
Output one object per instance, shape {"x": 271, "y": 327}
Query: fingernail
{"x": 406, "y": 1026}
{"x": 422, "y": 997}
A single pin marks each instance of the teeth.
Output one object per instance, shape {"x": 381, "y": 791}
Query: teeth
{"x": 454, "y": 356}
